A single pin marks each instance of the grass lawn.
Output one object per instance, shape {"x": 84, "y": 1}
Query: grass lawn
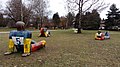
{"x": 66, "y": 49}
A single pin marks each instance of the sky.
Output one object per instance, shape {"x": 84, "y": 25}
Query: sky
{"x": 59, "y": 6}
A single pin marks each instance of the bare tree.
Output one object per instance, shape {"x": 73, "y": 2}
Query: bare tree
{"x": 13, "y": 10}
{"x": 18, "y": 11}
{"x": 39, "y": 10}
{"x": 85, "y": 5}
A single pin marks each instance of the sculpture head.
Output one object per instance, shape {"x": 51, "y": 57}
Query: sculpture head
{"x": 99, "y": 31}
{"x": 20, "y": 25}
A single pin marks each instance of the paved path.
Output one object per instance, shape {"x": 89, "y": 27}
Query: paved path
{"x": 9, "y": 32}
{"x": 4, "y": 32}
{"x": 32, "y": 31}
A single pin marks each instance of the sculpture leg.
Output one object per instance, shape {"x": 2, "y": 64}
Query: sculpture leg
{"x": 38, "y": 45}
{"x": 27, "y": 47}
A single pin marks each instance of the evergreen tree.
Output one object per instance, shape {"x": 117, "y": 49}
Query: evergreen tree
{"x": 1, "y": 20}
{"x": 70, "y": 18}
{"x": 56, "y": 19}
{"x": 91, "y": 20}
{"x": 113, "y": 17}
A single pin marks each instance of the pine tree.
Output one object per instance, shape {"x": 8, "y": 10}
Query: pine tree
{"x": 56, "y": 19}
{"x": 113, "y": 17}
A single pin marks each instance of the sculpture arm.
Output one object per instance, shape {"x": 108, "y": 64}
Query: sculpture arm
{"x": 96, "y": 35}
{"x": 11, "y": 43}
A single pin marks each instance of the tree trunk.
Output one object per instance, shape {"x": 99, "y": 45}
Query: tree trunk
{"x": 80, "y": 15}
{"x": 36, "y": 25}
{"x": 79, "y": 26}
{"x": 79, "y": 30}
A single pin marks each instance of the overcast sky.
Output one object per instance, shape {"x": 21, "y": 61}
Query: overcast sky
{"x": 58, "y": 6}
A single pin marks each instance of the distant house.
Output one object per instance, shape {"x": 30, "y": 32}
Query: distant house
{"x": 102, "y": 24}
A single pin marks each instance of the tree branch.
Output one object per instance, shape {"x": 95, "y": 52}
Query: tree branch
{"x": 11, "y": 14}
{"x": 93, "y": 2}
